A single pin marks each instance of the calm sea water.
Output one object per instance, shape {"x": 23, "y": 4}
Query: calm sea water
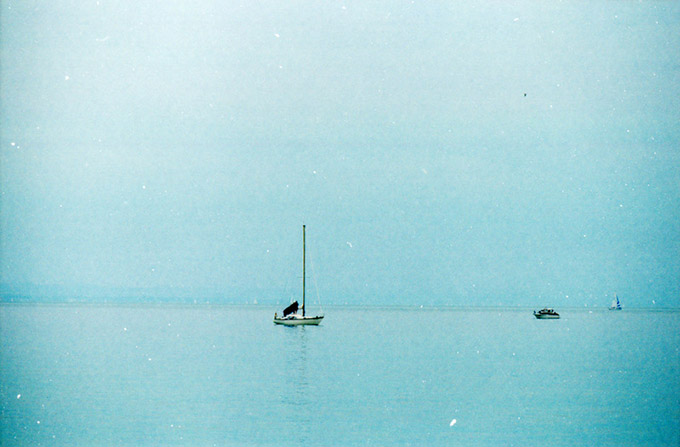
{"x": 226, "y": 376}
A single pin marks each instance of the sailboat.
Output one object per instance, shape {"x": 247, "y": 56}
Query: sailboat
{"x": 616, "y": 304}
{"x": 294, "y": 315}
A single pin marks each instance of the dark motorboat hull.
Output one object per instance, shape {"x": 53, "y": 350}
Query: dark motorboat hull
{"x": 546, "y": 316}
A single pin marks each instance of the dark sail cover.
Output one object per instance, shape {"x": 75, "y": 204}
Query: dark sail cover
{"x": 290, "y": 309}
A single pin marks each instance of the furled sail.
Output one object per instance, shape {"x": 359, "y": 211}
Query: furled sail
{"x": 290, "y": 309}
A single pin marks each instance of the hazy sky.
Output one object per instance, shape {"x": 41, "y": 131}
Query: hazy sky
{"x": 457, "y": 153}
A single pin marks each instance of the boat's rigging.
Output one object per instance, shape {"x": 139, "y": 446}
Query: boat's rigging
{"x": 316, "y": 285}
{"x": 304, "y": 265}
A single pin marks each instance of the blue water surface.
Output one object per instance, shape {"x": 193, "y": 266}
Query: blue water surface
{"x": 163, "y": 375}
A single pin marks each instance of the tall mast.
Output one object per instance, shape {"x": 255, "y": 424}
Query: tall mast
{"x": 303, "y": 270}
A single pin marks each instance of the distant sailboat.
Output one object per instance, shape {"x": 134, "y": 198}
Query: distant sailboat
{"x": 291, "y": 317}
{"x": 616, "y": 304}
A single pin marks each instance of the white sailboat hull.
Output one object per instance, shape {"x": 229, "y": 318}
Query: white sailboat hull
{"x": 298, "y": 320}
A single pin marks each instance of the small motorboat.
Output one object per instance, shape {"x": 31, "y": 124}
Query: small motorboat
{"x": 546, "y": 313}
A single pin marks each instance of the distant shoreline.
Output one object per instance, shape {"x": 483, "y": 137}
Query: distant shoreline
{"x": 423, "y": 308}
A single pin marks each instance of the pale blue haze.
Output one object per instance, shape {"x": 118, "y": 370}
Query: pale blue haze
{"x": 449, "y": 155}
{"x": 440, "y": 153}
{"x": 227, "y": 376}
